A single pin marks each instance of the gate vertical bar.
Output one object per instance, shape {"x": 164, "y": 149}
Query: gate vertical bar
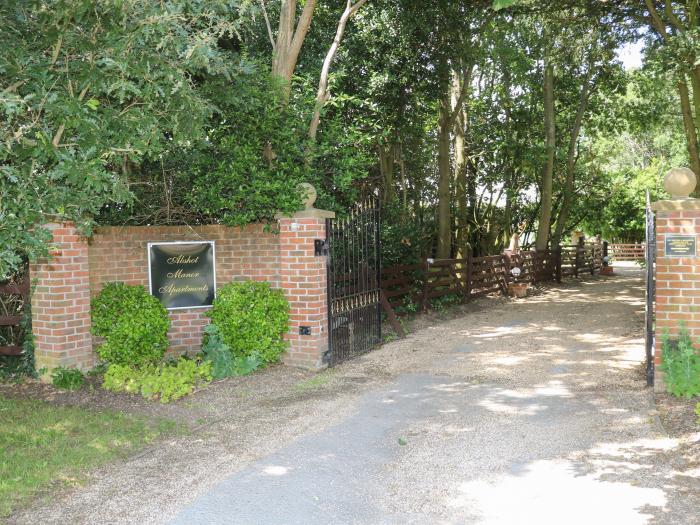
{"x": 650, "y": 292}
{"x": 329, "y": 287}
{"x": 378, "y": 259}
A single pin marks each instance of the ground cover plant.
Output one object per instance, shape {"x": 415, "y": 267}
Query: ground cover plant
{"x": 67, "y": 378}
{"x": 220, "y": 355}
{"x": 166, "y": 382}
{"x": 44, "y": 445}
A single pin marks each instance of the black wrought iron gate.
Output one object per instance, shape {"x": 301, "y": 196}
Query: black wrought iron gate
{"x": 650, "y": 258}
{"x": 354, "y": 278}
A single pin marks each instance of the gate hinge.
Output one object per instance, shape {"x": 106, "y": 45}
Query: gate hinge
{"x": 320, "y": 247}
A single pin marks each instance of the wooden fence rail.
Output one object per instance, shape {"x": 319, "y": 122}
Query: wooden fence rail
{"x": 627, "y": 252}
{"x": 14, "y": 295}
{"x": 411, "y": 287}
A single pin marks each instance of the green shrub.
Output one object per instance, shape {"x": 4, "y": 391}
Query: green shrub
{"x": 252, "y": 318}
{"x": 67, "y": 378}
{"x": 697, "y": 412}
{"x": 681, "y": 365}
{"x": 167, "y": 382}
{"x": 223, "y": 362}
{"x": 133, "y": 323}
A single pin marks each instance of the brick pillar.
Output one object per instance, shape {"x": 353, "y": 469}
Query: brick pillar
{"x": 677, "y": 275}
{"x": 61, "y": 302}
{"x": 303, "y": 278}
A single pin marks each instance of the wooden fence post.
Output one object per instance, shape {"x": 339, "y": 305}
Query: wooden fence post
{"x": 469, "y": 274}
{"x": 557, "y": 264}
{"x": 579, "y": 251}
{"x": 506, "y": 266}
{"x": 426, "y": 278}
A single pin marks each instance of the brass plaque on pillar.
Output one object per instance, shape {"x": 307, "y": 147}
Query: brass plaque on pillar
{"x": 679, "y": 246}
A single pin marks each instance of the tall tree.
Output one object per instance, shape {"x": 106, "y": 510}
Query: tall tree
{"x": 677, "y": 24}
{"x": 550, "y": 150}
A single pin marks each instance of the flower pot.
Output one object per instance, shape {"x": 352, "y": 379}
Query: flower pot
{"x": 606, "y": 270}
{"x": 518, "y": 289}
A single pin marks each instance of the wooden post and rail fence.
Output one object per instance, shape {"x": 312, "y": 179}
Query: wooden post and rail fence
{"x": 409, "y": 288}
{"x": 14, "y": 296}
{"x": 627, "y": 252}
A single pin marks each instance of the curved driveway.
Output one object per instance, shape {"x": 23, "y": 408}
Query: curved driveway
{"x": 526, "y": 411}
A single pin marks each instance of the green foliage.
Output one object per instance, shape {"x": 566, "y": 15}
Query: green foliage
{"x": 697, "y": 412}
{"x": 223, "y": 362}
{"x": 133, "y": 323}
{"x": 167, "y": 382}
{"x": 446, "y": 301}
{"x": 90, "y": 88}
{"x": 681, "y": 365}
{"x": 252, "y": 319}
{"x": 67, "y": 378}
{"x": 173, "y": 382}
{"x": 124, "y": 378}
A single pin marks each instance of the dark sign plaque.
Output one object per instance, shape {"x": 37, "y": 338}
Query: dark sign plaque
{"x": 680, "y": 246}
{"x": 182, "y": 274}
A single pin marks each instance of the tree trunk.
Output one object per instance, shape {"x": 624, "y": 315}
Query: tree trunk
{"x": 386, "y": 168}
{"x": 568, "y": 190}
{"x": 689, "y": 125}
{"x": 460, "y": 124}
{"x": 695, "y": 80}
{"x": 404, "y": 182}
{"x": 548, "y": 168}
{"x": 290, "y": 37}
{"x": 322, "y": 94}
{"x": 444, "y": 243}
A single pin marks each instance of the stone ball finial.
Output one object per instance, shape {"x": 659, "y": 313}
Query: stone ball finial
{"x": 309, "y": 195}
{"x": 680, "y": 182}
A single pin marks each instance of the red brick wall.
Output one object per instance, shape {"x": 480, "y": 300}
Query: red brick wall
{"x": 61, "y": 303}
{"x": 677, "y": 278}
{"x": 120, "y": 254}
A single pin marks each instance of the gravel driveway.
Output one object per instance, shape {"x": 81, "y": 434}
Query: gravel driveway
{"x": 524, "y": 411}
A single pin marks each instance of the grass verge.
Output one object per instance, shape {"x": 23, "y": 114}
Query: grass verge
{"x": 44, "y": 446}
{"x": 319, "y": 380}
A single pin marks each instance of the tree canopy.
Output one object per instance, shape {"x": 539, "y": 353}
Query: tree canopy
{"x": 472, "y": 119}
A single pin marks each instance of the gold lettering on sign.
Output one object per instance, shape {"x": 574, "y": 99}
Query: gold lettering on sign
{"x": 179, "y": 274}
{"x": 172, "y": 289}
{"x": 183, "y": 259}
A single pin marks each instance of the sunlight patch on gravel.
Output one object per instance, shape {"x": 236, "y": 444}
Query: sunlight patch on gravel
{"x": 556, "y": 493}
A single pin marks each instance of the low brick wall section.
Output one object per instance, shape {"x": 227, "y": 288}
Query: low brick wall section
{"x": 80, "y": 267}
{"x": 120, "y": 254}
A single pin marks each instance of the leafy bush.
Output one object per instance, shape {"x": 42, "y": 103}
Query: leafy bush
{"x": 133, "y": 323}
{"x": 681, "y": 365}
{"x": 219, "y": 354}
{"x": 67, "y": 378}
{"x": 252, "y": 318}
{"x": 166, "y": 382}
{"x": 697, "y": 412}
{"x": 123, "y": 378}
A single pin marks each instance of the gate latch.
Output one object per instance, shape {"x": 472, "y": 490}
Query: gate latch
{"x": 320, "y": 247}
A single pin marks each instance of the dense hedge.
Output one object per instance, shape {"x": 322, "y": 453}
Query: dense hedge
{"x": 133, "y": 323}
{"x": 252, "y": 319}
